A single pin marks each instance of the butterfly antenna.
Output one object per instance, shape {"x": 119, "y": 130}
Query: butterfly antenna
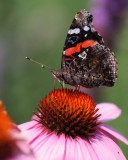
{"x": 42, "y": 65}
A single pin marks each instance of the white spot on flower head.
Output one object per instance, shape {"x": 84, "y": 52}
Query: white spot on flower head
{"x": 86, "y": 28}
{"x": 74, "y": 31}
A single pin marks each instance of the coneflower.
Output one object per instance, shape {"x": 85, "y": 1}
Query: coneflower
{"x": 69, "y": 126}
{"x": 13, "y": 145}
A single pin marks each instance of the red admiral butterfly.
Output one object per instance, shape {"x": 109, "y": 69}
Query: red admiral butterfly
{"x": 86, "y": 61}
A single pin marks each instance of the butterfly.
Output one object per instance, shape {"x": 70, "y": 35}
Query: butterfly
{"x": 86, "y": 61}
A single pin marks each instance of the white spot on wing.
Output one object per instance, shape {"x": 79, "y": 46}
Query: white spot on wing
{"x": 93, "y": 29}
{"x": 63, "y": 52}
{"x": 83, "y": 55}
{"x": 85, "y": 35}
{"x": 74, "y": 31}
{"x": 86, "y": 28}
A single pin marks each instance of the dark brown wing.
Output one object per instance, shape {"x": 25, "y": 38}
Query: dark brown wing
{"x": 99, "y": 68}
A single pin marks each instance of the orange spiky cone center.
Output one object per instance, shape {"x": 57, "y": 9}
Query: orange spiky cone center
{"x": 68, "y": 112}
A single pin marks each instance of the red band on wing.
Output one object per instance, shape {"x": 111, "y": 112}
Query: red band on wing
{"x": 68, "y": 59}
{"x": 77, "y": 48}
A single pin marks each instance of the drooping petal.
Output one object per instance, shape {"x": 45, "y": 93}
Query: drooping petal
{"x": 31, "y": 129}
{"x": 114, "y": 133}
{"x": 52, "y": 146}
{"x": 85, "y": 148}
{"x": 106, "y": 148}
{"x": 108, "y": 111}
{"x": 76, "y": 149}
{"x": 27, "y": 125}
{"x": 22, "y": 157}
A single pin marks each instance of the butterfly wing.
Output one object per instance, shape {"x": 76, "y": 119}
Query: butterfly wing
{"x": 99, "y": 68}
{"x": 86, "y": 61}
{"x": 80, "y": 35}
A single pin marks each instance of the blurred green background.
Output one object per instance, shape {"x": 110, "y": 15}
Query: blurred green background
{"x": 37, "y": 29}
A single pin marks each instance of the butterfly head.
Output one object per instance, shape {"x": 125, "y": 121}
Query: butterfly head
{"x": 57, "y": 74}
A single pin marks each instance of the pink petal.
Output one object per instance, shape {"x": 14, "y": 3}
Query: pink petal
{"x": 114, "y": 133}
{"x": 106, "y": 148}
{"x": 85, "y": 148}
{"x": 27, "y": 125}
{"x": 76, "y": 149}
{"x": 22, "y": 157}
{"x": 31, "y": 129}
{"x": 108, "y": 111}
{"x": 57, "y": 147}
{"x": 50, "y": 148}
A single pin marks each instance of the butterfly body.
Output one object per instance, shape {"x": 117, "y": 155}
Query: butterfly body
{"x": 86, "y": 61}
